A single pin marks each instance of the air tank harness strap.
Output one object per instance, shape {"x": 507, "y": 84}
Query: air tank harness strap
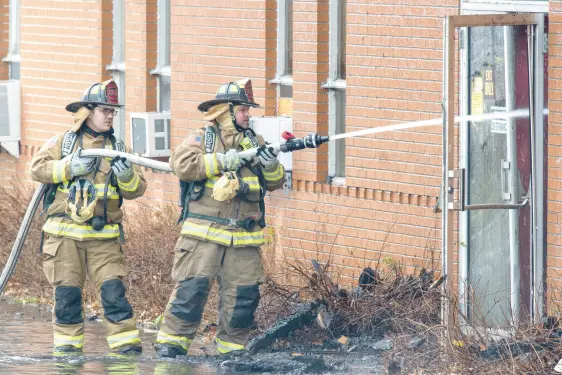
{"x": 248, "y": 223}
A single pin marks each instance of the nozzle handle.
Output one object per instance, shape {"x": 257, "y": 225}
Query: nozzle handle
{"x": 287, "y": 135}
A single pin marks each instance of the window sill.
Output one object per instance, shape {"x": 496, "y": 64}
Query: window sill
{"x": 282, "y": 80}
{"x": 165, "y": 70}
{"x": 336, "y": 181}
{"x": 116, "y": 67}
{"x": 337, "y": 84}
{"x": 11, "y": 58}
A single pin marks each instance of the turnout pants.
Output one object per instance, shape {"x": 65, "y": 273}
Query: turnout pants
{"x": 66, "y": 263}
{"x": 197, "y": 264}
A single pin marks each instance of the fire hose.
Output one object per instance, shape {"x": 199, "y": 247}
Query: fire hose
{"x": 292, "y": 144}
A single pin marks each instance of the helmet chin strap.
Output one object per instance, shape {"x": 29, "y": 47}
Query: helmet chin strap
{"x": 233, "y": 118}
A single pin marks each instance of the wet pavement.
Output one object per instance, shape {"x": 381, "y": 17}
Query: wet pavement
{"x": 26, "y": 348}
{"x": 26, "y": 341}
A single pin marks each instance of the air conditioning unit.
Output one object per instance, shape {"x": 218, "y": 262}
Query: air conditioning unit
{"x": 10, "y": 125}
{"x": 150, "y": 133}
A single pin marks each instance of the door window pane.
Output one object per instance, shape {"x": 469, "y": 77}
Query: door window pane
{"x": 499, "y": 168}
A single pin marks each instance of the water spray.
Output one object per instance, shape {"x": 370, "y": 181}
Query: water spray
{"x": 314, "y": 140}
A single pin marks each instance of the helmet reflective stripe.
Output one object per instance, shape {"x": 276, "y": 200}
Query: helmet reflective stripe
{"x": 91, "y": 91}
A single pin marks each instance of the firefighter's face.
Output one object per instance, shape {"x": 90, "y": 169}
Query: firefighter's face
{"x": 101, "y": 118}
{"x": 243, "y": 116}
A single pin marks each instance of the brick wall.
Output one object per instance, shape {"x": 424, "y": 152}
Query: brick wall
{"x": 394, "y": 74}
{"x": 397, "y": 179}
{"x": 354, "y": 228}
{"x": 4, "y": 36}
{"x": 394, "y": 69}
{"x": 64, "y": 47}
{"x": 554, "y": 206}
{"x": 141, "y": 33}
{"x": 310, "y": 70}
{"x": 217, "y": 44}
{"x": 385, "y": 210}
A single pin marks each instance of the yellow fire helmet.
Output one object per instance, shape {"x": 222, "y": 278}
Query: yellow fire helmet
{"x": 82, "y": 198}
{"x": 227, "y": 187}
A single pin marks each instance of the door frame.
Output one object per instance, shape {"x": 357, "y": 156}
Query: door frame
{"x": 452, "y": 175}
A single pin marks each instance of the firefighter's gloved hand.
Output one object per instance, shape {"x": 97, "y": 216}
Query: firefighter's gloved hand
{"x": 122, "y": 168}
{"x": 230, "y": 161}
{"x": 81, "y": 165}
{"x": 267, "y": 156}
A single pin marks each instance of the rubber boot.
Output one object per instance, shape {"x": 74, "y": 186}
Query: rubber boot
{"x": 169, "y": 351}
{"x": 129, "y": 350}
{"x": 67, "y": 349}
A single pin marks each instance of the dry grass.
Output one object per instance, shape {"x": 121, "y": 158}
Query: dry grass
{"x": 406, "y": 308}
{"x": 392, "y": 301}
{"x": 28, "y": 279}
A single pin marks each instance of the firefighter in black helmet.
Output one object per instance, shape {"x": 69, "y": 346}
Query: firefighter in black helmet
{"x": 223, "y": 221}
{"x": 83, "y": 227}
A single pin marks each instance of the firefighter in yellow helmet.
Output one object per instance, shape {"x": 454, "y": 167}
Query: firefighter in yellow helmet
{"x": 82, "y": 234}
{"x": 223, "y": 221}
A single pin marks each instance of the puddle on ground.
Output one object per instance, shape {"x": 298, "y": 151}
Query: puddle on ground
{"x": 27, "y": 338}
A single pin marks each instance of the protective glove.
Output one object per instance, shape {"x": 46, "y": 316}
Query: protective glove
{"x": 230, "y": 161}
{"x": 81, "y": 165}
{"x": 267, "y": 156}
{"x": 122, "y": 168}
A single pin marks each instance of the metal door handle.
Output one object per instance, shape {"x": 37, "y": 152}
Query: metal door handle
{"x": 497, "y": 206}
{"x": 461, "y": 206}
